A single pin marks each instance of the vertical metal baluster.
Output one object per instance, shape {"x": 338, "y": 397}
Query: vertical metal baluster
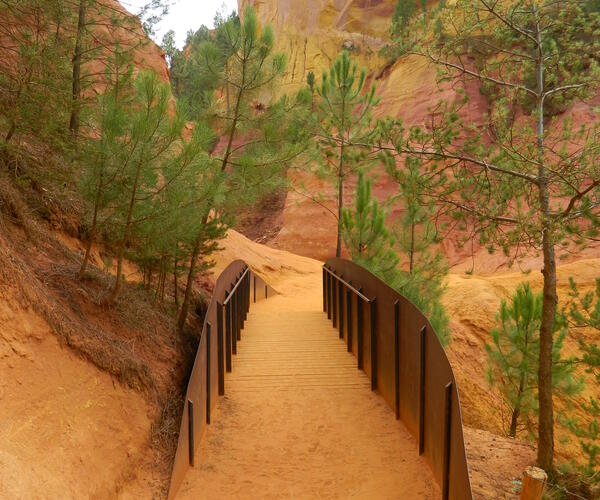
{"x": 227, "y": 334}
{"x": 328, "y": 296}
{"x": 334, "y": 303}
{"x": 238, "y": 316}
{"x": 233, "y": 325}
{"x": 397, "y": 359}
{"x": 341, "y": 308}
{"x": 373, "y": 311}
{"x": 349, "y": 319}
{"x": 359, "y": 330}
{"x": 191, "y": 432}
{"x": 447, "y": 441}
{"x": 208, "y": 335}
{"x": 324, "y": 290}
{"x": 423, "y": 336}
{"x": 220, "y": 354}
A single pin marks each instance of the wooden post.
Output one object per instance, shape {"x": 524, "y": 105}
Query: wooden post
{"x": 233, "y": 324}
{"x": 534, "y": 481}
{"x": 246, "y": 296}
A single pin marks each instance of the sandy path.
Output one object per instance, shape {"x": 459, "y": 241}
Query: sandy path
{"x": 299, "y": 420}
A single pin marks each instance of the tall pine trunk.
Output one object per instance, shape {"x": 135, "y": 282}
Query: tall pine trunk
{"x": 338, "y": 247}
{"x": 121, "y": 251}
{"x": 11, "y": 131}
{"x": 546, "y": 410}
{"x": 412, "y": 246}
{"x": 517, "y": 409}
{"x": 175, "y": 284}
{"x": 187, "y": 296}
{"x": 75, "y": 105}
{"x": 88, "y": 248}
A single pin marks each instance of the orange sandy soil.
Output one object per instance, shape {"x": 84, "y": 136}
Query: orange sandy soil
{"x": 299, "y": 420}
{"x": 68, "y": 430}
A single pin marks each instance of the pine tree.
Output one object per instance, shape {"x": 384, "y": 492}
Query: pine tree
{"x": 416, "y": 234}
{"x": 373, "y": 246}
{"x": 165, "y": 236}
{"x": 153, "y": 156}
{"x": 99, "y": 26}
{"x": 100, "y": 154}
{"x": 34, "y": 72}
{"x": 403, "y": 11}
{"x": 204, "y": 67}
{"x": 536, "y": 59}
{"x": 151, "y": 13}
{"x": 242, "y": 61}
{"x": 366, "y": 236}
{"x": 344, "y": 128}
{"x": 77, "y": 63}
{"x": 513, "y": 358}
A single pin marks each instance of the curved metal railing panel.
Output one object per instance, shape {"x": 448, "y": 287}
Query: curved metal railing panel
{"x": 398, "y": 349}
{"x": 235, "y": 289}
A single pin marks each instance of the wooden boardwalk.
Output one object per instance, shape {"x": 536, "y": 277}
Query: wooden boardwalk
{"x": 299, "y": 420}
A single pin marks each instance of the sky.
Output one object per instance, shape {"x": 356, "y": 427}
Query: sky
{"x": 184, "y": 15}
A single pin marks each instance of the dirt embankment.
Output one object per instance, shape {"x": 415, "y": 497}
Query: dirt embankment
{"x": 90, "y": 395}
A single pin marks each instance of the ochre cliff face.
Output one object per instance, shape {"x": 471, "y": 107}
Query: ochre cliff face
{"x": 313, "y": 32}
{"x": 146, "y": 55}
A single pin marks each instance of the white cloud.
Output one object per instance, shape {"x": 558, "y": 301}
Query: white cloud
{"x": 184, "y": 15}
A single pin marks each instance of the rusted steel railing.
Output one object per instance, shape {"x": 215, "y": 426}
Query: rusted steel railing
{"x": 236, "y": 288}
{"x": 397, "y": 348}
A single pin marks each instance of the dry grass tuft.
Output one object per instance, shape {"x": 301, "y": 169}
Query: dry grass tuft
{"x": 165, "y": 429}
{"x": 15, "y": 210}
{"x": 92, "y": 343}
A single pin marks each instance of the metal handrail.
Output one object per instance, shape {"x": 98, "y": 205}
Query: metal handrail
{"x": 226, "y": 301}
{"x": 348, "y": 285}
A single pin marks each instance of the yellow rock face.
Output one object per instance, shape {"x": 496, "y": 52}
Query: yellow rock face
{"x": 314, "y": 32}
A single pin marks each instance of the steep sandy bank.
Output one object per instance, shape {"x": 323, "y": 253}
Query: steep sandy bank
{"x": 69, "y": 429}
